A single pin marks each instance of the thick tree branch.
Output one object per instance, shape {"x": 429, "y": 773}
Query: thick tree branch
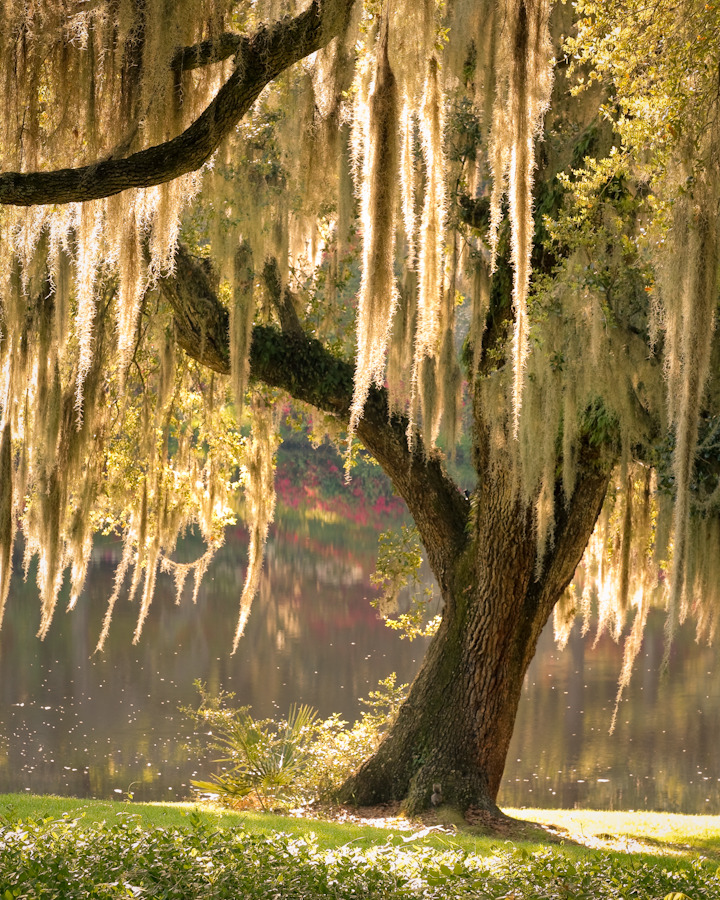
{"x": 261, "y": 58}
{"x": 207, "y": 52}
{"x": 308, "y": 372}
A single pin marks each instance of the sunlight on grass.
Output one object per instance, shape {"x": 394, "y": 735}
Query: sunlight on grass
{"x": 329, "y": 834}
{"x": 663, "y": 833}
{"x": 576, "y": 832}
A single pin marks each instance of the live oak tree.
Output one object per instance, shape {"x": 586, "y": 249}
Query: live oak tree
{"x": 188, "y": 191}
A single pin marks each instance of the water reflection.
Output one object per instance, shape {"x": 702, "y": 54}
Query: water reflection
{"x": 74, "y": 723}
{"x": 663, "y": 754}
{"x": 102, "y": 725}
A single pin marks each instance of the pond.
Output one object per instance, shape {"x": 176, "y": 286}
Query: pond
{"x": 108, "y": 725}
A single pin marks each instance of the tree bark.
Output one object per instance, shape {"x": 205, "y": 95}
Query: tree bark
{"x": 455, "y": 727}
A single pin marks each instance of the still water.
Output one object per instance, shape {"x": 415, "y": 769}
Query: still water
{"x": 108, "y": 725}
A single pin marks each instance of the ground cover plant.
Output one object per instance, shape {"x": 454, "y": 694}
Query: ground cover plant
{"x": 329, "y": 834}
{"x": 68, "y": 848}
{"x": 62, "y": 857}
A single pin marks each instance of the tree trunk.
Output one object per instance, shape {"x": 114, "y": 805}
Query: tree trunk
{"x": 454, "y": 729}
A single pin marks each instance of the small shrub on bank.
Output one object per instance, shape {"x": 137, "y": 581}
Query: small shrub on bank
{"x": 267, "y": 758}
{"x": 295, "y": 760}
{"x": 61, "y": 858}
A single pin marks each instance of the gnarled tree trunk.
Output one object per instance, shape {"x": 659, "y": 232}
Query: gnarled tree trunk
{"x": 455, "y": 727}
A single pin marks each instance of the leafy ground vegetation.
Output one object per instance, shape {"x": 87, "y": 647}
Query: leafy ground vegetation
{"x": 57, "y": 848}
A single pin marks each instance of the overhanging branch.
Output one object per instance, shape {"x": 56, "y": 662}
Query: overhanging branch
{"x": 304, "y": 368}
{"x": 259, "y": 60}
{"x": 208, "y": 52}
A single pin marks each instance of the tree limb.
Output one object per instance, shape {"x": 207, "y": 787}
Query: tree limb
{"x": 260, "y": 59}
{"x": 207, "y": 52}
{"x": 304, "y": 368}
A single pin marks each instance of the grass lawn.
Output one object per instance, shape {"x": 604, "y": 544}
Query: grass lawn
{"x": 662, "y": 833}
{"x": 647, "y": 833}
{"x": 329, "y": 834}
{"x": 73, "y": 849}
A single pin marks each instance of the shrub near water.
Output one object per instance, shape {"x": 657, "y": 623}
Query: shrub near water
{"x": 60, "y": 858}
{"x": 299, "y": 759}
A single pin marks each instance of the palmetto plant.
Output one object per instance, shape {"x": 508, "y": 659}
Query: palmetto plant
{"x": 266, "y": 756}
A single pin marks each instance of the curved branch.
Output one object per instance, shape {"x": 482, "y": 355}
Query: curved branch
{"x": 260, "y": 59}
{"x": 304, "y": 368}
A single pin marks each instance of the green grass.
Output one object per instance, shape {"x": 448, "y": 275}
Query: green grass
{"x": 649, "y": 833}
{"x": 668, "y": 834}
{"x": 329, "y": 834}
{"x": 53, "y": 847}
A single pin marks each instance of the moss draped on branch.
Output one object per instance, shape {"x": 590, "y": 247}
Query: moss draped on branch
{"x": 258, "y": 61}
{"x": 304, "y": 368}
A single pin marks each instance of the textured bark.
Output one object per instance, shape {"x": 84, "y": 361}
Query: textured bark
{"x": 455, "y": 727}
{"x": 259, "y": 60}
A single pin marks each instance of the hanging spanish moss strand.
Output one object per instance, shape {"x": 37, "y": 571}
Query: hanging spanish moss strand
{"x": 131, "y": 271}
{"x": 260, "y": 494}
{"x": 151, "y": 566}
{"x": 118, "y": 581}
{"x": 242, "y": 313}
{"x": 485, "y": 74}
{"x": 407, "y": 181}
{"x": 140, "y": 543}
{"x": 431, "y": 264}
{"x": 346, "y": 196}
{"x": 691, "y": 318}
{"x": 7, "y": 531}
{"x": 413, "y": 36}
{"x": 480, "y": 297}
{"x": 81, "y": 527}
{"x": 636, "y": 577}
{"x": 402, "y": 341}
{"x": 430, "y": 410}
{"x": 523, "y": 94}
{"x": 450, "y": 375}
{"x": 60, "y": 263}
{"x": 403, "y": 334}
{"x": 50, "y": 570}
{"x": 168, "y": 375}
{"x": 632, "y": 646}
{"x": 88, "y": 260}
{"x": 378, "y": 291}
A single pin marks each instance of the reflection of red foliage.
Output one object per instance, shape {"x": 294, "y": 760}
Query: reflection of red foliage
{"x": 306, "y": 484}
{"x": 357, "y": 616}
